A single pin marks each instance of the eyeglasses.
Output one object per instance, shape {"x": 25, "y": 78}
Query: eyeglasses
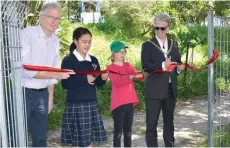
{"x": 161, "y": 28}
{"x": 52, "y": 18}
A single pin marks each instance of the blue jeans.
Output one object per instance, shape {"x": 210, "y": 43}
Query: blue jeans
{"x": 37, "y": 115}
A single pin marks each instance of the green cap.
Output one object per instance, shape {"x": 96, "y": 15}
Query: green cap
{"x": 116, "y": 46}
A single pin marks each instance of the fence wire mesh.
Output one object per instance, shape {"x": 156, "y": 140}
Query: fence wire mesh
{"x": 221, "y": 77}
{"x": 12, "y": 105}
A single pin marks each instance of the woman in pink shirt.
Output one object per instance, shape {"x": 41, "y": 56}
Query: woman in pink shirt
{"x": 123, "y": 95}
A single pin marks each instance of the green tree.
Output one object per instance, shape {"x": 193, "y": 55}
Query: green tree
{"x": 190, "y": 11}
{"x": 135, "y": 18}
{"x": 222, "y": 8}
{"x": 34, "y": 8}
{"x": 71, "y": 9}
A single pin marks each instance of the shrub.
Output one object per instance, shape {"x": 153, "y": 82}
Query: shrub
{"x": 55, "y": 116}
{"x": 220, "y": 137}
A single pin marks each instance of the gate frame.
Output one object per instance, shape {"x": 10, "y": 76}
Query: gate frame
{"x": 20, "y": 138}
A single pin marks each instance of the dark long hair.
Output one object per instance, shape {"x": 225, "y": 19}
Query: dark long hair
{"x": 77, "y": 33}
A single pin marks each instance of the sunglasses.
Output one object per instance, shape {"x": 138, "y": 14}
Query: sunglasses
{"x": 161, "y": 28}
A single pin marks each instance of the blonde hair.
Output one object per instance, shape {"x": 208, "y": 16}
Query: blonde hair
{"x": 113, "y": 57}
{"x": 162, "y": 17}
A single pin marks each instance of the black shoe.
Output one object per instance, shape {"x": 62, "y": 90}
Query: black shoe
{"x": 151, "y": 142}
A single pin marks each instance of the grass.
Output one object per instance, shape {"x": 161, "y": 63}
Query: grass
{"x": 221, "y": 137}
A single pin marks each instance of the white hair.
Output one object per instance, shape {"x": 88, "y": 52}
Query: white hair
{"x": 162, "y": 17}
{"x": 50, "y": 5}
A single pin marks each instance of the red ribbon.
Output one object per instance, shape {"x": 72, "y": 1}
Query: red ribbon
{"x": 96, "y": 73}
{"x": 51, "y": 69}
{"x": 193, "y": 68}
{"x": 135, "y": 73}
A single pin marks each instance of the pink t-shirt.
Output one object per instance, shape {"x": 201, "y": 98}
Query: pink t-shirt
{"x": 123, "y": 90}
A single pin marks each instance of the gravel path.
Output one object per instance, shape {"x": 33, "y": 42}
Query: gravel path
{"x": 190, "y": 126}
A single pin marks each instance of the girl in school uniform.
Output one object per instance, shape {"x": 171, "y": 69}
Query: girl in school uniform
{"x": 123, "y": 95}
{"x": 82, "y": 123}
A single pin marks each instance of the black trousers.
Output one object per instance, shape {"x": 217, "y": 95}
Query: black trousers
{"x": 123, "y": 119}
{"x": 153, "y": 107}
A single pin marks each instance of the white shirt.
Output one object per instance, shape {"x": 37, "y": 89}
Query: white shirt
{"x": 39, "y": 50}
{"x": 80, "y": 58}
{"x": 165, "y": 49}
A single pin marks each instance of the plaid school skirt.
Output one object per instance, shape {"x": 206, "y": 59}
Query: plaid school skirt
{"x": 82, "y": 125}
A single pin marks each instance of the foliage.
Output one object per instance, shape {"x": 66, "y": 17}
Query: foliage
{"x": 55, "y": 116}
{"x": 103, "y": 96}
{"x": 191, "y": 11}
{"x": 71, "y": 10}
{"x": 194, "y": 84}
{"x": 196, "y": 34}
{"x": 220, "y": 137}
{"x": 133, "y": 15}
{"x": 65, "y": 34}
{"x": 221, "y": 74}
{"x": 34, "y": 8}
{"x": 222, "y": 8}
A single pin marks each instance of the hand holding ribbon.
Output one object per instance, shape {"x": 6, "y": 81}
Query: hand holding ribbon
{"x": 168, "y": 62}
{"x": 210, "y": 61}
{"x": 104, "y": 76}
{"x": 90, "y": 79}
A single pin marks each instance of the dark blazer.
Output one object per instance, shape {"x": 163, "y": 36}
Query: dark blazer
{"x": 156, "y": 85}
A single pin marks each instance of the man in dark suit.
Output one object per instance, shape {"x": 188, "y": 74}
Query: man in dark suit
{"x": 161, "y": 87}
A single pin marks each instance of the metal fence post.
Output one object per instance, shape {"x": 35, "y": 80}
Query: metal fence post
{"x": 210, "y": 78}
{"x": 3, "y": 127}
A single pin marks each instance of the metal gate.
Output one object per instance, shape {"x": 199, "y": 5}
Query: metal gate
{"x": 12, "y": 105}
{"x": 219, "y": 78}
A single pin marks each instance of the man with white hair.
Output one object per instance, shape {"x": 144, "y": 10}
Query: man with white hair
{"x": 161, "y": 87}
{"x": 40, "y": 46}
